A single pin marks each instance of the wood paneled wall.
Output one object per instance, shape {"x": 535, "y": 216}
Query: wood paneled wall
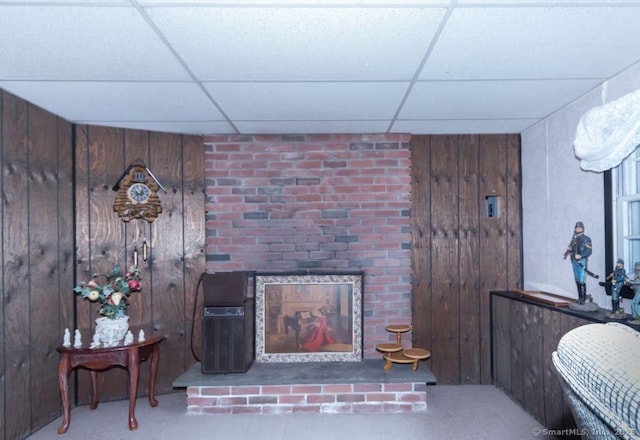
{"x": 459, "y": 254}
{"x": 524, "y": 336}
{"x": 37, "y": 262}
{"x": 50, "y": 231}
{"x": 176, "y": 239}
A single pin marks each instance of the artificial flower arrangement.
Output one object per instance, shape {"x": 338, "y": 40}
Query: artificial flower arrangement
{"x": 112, "y": 294}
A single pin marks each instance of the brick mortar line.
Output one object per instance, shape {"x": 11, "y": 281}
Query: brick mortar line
{"x": 395, "y": 393}
{"x": 342, "y": 408}
{"x": 382, "y": 390}
{"x": 397, "y": 397}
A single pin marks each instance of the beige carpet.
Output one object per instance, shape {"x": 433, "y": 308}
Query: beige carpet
{"x": 454, "y": 412}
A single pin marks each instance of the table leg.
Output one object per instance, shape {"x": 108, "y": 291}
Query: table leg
{"x": 415, "y": 365}
{"x": 94, "y": 389}
{"x": 388, "y": 365}
{"x": 155, "y": 358}
{"x": 64, "y": 369}
{"x": 134, "y": 373}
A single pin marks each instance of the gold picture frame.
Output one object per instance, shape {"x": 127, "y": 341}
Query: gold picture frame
{"x": 309, "y": 317}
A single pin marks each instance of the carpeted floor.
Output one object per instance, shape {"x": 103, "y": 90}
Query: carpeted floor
{"x": 479, "y": 412}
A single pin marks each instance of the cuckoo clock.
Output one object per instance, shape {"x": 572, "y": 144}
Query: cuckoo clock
{"x": 137, "y": 194}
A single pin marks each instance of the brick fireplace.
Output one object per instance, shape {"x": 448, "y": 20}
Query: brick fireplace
{"x": 316, "y": 202}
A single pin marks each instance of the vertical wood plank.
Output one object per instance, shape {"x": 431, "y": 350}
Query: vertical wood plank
{"x": 469, "y": 261}
{"x": 84, "y": 309}
{"x": 513, "y": 211}
{"x": 502, "y": 343}
{"x": 3, "y": 383}
{"x": 168, "y": 258}
{"x": 15, "y": 269}
{"x": 533, "y": 381}
{"x": 421, "y": 238}
{"x": 66, "y": 251}
{"x": 66, "y": 222}
{"x": 194, "y": 249}
{"x": 444, "y": 257}
{"x": 493, "y": 243}
{"x": 553, "y": 407}
{"x": 106, "y": 234}
{"x": 569, "y": 322}
{"x": 135, "y": 150}
{"x": 517, "y": 367}
{"x": 82, "y": 221}
{"x": 43, "y": 251}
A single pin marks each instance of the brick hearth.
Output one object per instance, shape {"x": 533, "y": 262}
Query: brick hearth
{"x": 324, "y": 388}
{"x": 371, "y": 398}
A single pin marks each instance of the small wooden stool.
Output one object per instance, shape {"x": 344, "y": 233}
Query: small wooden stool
{"x": 398, "y": 329}
{"x": 417, "y": 354}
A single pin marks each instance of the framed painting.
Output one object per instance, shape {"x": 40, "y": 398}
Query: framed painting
{"x": 308, "y": 318}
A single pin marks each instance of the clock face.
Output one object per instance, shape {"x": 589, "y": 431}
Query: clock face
{"x": 139, "y": 193}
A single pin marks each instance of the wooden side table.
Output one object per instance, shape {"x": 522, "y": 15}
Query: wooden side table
{"x": 100, "y": 359}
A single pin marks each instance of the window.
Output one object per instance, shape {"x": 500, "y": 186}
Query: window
{"x": 625, "y": 220}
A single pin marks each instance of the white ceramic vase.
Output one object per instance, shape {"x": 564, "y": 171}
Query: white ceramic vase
{"x": 111, "y": 331}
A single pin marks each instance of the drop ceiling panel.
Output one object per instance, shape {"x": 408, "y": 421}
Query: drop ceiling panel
{"x": 535, "y": 42}
{"x": 295, "y": 127}
{"x": 270, "y": 101}
{"x": 491, "y": 99}
{"x": 310, "y": 66}
{"x": 543, "y": 2}
{"x": 300, "y": 43}
{"x": 463, "y": 126}
{"x": 98, "y": 3}
{"x": 297, "y": 3}
{"x": 123, "y": 101}
{"x": 82, "y": 43}
{"x": 196, "y": 127}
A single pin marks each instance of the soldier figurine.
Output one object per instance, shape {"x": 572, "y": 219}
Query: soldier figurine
{"x": 618, "y": 278}
{"x": 635, "y": 302}
{"x": 579, "y": 249}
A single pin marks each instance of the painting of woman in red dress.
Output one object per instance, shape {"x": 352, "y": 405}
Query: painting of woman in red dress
{"x": 318, "y": 335}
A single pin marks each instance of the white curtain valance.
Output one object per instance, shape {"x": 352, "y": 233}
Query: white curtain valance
{"x": 606, "y": 135}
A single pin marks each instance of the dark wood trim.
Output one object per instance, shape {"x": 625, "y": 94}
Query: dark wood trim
{"x": 598, "y": 316}
{"x": 609, "y": 258}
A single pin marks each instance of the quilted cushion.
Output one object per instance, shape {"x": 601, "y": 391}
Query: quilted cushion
{"x": 601, "y": 364}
